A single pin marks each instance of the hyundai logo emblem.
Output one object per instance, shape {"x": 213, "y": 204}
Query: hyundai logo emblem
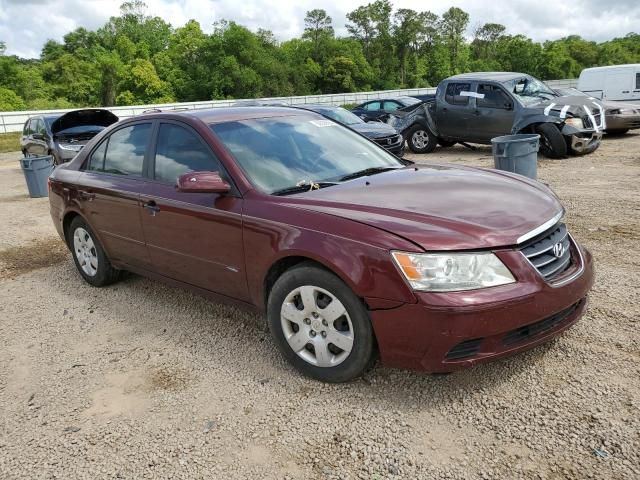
{"x": 558, "y": 250}
{"x": 388, "y": 141}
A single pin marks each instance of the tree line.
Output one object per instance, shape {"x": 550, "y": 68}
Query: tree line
{"x": 136, "y": 58}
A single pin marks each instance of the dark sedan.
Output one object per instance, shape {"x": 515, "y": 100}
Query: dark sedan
{"x": 380, "y": 109}
{"x": 349, "y": 251}
{"x": 63, "y": 136}
{"x": 384, "y": 135}
{"x": 619, "y": 117}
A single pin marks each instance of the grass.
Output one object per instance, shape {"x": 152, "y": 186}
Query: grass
{"x": 9, "y": 142}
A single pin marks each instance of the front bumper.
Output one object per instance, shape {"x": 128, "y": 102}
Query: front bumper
{"x": 444, "y": 332}
{"x": 622, "y": 122}
{"x": 585, "y": 142}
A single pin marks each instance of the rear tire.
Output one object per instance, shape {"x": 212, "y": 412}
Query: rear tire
{"x": 421, "y": 140}
{"x": 309, "y": 309}
{"x": 552, "y": 142}
{"x": 89, "y": 256}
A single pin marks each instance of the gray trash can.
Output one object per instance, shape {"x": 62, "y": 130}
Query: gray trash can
{"x": 36, "y": 171}
{"x": 517, "y": 154}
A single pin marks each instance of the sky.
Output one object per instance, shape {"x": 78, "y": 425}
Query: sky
{"x": 25, "y": 25}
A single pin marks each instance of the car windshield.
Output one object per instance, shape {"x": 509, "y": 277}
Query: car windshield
{"x": 530, "y": 90}
{"x": 407, "y": 101}
{"x": 282, "y": 152}
{"x": 341, "y": 115}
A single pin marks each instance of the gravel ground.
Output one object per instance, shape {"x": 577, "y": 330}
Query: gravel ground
{"x": 139, "y": 380}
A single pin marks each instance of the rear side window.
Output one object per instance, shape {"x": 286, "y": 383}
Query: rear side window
{"x": 181, "y": 151}
{"x": 123, "y": 152}
{"x": 453, "y": 94}
{"x": 637, "y": 81}
{"x": 372, "y": 106}
{"x": 493, "y": 97}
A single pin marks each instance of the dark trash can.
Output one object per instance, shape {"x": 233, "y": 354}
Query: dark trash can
{"x": 517, "y": 154}
{"x": 36, "y": 171}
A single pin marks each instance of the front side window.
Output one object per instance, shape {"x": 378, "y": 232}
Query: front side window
{"x": 492, "y": 96}
{"x": 27, "y": 129}
{"x": 123, "y": 152}
{"x": 637, "y": 81}
{"x": 180, "y": 151}
{"x": 282, "y": 152}
{"x": 453, "y": 95}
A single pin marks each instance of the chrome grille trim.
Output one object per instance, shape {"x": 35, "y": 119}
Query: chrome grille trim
{"x": 538, "y": 230}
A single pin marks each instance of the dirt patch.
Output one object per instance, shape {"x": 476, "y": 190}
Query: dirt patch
{"x": 32, "y": 256}
{"x": 166, "y": 378}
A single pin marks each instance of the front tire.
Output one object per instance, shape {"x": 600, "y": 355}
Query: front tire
{"x": 421, "y": 140}
{"x": 321, "y": 327}
{"x": 552, "y": 142}
{"x": 89, "y": 256}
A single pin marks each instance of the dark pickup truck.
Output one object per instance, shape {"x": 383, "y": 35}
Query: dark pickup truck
{"x": 476, "y": 107}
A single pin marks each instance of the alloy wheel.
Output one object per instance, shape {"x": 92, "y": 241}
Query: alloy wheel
{"x": 420, "y": 139}
{"x": 317, "y": 326}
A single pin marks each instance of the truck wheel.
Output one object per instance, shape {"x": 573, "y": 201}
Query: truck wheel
{"x": 552, "y": 143}
{"x": 421, "y": 140}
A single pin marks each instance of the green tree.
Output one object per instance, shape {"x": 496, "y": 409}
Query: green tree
{"x": 453, "y": 24}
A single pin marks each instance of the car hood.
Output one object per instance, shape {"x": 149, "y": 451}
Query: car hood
{"x": 567, "y": 106}
{"x": 88, "y": 116}
{"x": 440, "y": 207}
{"x": 374, "y": 129}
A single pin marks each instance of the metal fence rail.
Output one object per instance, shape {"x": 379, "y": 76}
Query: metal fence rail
{"x": 13, "y": 121}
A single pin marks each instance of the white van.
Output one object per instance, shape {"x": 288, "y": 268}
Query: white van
{"x": 615, "y": 82}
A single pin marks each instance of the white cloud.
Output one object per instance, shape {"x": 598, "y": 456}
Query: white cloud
{"x": 26, "y": 24}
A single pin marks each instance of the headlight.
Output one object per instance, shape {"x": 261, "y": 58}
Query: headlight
{"x": 444, "y": 272}
{"x": 73, "y": 148}
{"x": 574, "y": 122}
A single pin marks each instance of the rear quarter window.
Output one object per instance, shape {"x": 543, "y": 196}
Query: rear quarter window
{"x": 453, "y": 93}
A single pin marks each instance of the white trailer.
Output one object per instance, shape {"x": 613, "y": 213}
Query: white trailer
{"x": 615, "y": 82}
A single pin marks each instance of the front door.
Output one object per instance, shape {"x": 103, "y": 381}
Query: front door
{"x": 108, "y": 193}
{"x": 195, "y": 238}
{"x": 494, "y": 113}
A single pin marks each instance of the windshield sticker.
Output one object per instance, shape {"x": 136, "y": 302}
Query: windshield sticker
{"x": 471, "y": 94}
{"x": 323, "y": 123}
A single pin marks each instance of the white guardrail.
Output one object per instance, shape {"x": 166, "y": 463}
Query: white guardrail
{"x": 14, "y": 121}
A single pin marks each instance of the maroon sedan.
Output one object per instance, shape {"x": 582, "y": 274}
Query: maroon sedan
{"x": 349, "y": 250}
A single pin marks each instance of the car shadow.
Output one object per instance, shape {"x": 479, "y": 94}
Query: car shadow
{"x": 380, "y": 384}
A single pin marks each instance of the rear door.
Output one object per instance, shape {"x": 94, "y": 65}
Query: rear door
{"x": 108, "y": 192}
{"x": 195, "y": 238}
{"x": 453, "y": 111}
{"x": 493, "y": 115}
{"x": 636, "y": 84}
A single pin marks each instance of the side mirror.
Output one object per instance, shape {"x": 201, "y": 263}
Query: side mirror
{"x": 202, "y": 182}
{"x": 508, "y": 105}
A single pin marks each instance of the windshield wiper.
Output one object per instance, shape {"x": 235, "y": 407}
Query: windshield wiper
{"x": 366, "y": 172}
{"x": 303, "y": 187}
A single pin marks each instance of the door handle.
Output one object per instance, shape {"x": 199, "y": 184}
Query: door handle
{"x": 151, "y": 207}
{"x": 82, "y": 195}
{"x": 625, "y": 91}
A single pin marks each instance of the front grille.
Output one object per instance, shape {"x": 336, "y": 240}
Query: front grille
{"x": 465, "y": 349}
{"x": 546, "y": 255}
{"x": 534, "y": 329}
{"x": 388, "y": 141}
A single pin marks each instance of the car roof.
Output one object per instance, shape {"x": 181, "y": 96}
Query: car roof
{"x": 490, "y": 76}
{"x": 232, "y": 114}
